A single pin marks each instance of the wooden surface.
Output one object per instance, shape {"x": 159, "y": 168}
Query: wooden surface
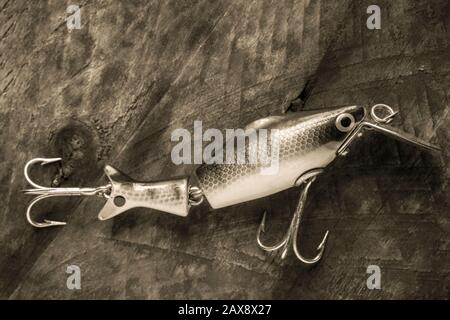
{"x": 114, "y": 91}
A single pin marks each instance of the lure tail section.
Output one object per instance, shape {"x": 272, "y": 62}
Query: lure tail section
{"x": 171, "y": 196}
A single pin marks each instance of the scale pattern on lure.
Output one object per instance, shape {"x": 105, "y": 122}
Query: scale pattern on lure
{"x": 308, "y": 142}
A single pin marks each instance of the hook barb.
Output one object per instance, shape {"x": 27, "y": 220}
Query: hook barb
{"x": 291, "y": 235}
{"x": 46, "y": 223}
{"x": 48, "y": 192}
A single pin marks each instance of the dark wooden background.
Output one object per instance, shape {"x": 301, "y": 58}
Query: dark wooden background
{"x": 113, "y": 92}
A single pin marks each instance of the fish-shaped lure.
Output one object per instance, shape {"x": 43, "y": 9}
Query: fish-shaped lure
{"x": 307, "y": 142}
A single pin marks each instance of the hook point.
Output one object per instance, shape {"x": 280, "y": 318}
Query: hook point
{"x": 284, "y": 253}
{"x": 52, "y": 223}
{"x": 324, "y": 241}
{"x": 262, "y": 226}
{"x": 49, "y": 161}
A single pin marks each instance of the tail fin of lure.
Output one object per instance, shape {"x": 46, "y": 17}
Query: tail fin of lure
{"x": 170, "y": 196}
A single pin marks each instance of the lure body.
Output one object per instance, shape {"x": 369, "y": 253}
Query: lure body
{"x": 307, "y": 143}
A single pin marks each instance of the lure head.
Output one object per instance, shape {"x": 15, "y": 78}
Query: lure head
{"x": 321, "y": 132}
{"x": 324, "y": 131}
{"x": 338, "y": 127}
{"x": 342, "y": 121}
{"x": 381, "y": 125}
{"x": 311, "y": 140}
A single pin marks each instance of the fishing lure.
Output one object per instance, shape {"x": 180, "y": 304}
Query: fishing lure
{"x": 308, "y": 142}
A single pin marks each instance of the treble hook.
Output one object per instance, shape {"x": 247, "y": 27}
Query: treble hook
{"x": 292, "y": 233}
{"x": 46, "y": 192}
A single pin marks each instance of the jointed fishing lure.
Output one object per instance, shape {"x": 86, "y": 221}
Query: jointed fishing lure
{"x": 308, "y": 142}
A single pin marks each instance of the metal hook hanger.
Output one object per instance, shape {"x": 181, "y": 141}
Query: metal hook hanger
{"x": 46, "y": 192}
{"x": 291, "y": 235}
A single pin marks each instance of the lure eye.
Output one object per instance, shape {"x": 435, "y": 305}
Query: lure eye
{"x": 345, "y": 122}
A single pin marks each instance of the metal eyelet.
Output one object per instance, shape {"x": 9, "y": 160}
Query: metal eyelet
{"x": 341, "y": 118}
{"x": 381, "y": 106}
{"x": 195, "y": 196}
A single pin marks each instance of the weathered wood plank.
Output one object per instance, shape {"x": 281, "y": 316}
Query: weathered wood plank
{"x": 116, "y": 89}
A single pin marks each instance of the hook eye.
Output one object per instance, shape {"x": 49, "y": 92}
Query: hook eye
{"x": 345, "y": 122}
{"x": 386, "y": 108}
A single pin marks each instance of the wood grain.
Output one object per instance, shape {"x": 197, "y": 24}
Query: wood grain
{"x": 114, "y": 91}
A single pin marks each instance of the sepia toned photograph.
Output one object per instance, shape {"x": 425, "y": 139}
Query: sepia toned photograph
{"x": 228, "y": 150}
